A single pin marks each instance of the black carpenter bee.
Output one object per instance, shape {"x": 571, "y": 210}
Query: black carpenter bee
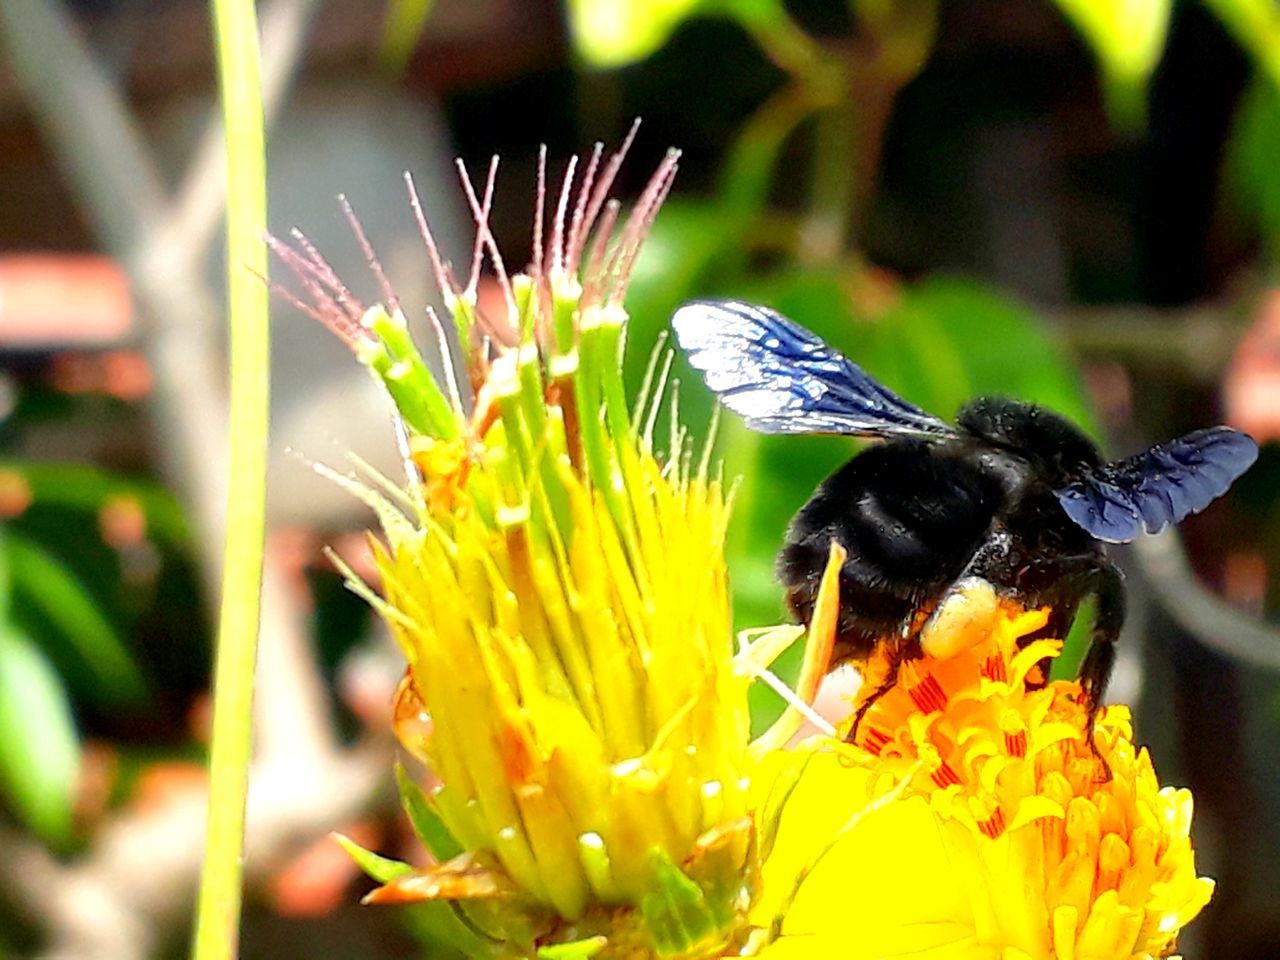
{"x": 1013, "y": 494}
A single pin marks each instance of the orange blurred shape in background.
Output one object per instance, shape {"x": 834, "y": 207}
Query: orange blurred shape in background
{"x": 317, "y": 879}
{"x": 59, "y": 299}
{"x": 1251, "y": 391}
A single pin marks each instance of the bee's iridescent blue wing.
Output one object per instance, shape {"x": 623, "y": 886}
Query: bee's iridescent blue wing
{"x": 1164, "y": 485}
{"x": 781, "y": 378}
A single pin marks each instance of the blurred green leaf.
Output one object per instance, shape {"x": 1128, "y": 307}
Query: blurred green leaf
{"x": 1127, "y": 36}
{"x": 39, "y": 750}
{"x": 950, "y": 339}
{"x": 613, "y": 33}
{"x": 1252, "y": 173}
{"x": 6, "y": 575}
{"x": 76, "y": 487}
{"x": 401, "y": 29}
{"x": 684, "y": 241}
{"x": 1255, "y": 24}
{"x": 904, "y": 32}
{"x": 43, "y": 580}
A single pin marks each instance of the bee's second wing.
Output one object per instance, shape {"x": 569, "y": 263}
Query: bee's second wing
{"x": 1164, "y": 485}
{"x": 781, "y": 378}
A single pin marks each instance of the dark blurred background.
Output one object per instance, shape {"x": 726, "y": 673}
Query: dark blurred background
{"x": 1074, "y": 202}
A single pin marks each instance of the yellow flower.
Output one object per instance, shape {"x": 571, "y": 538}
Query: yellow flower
{"x": 972, "y": 819}
{"x": 560, "y": 595}
{"x": 559, "y": 590}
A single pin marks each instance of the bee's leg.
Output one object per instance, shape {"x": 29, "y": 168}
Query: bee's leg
{"x": 890, "y": 681}
{"x": 1061, "y": 617}
{"x": 1065, "y": 582}
{"x": 1108, "y": 587}
{"x": 1072, "y": 579}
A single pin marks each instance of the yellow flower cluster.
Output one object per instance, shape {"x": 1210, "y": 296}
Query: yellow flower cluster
{"x": 973, "y": 819}
{"x": 581, "y": 697}
{"x": 560, "y": 594}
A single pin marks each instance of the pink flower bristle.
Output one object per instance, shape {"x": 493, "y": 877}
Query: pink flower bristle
{"x": 641, "y": 222}
{"x": 341, "y": 317}
{"x": 445, "y": 280}
{"x": 595, "y": 277}
{"x": 446, "y": 358}
{"x": 388, "y": 294}
{"x": 485, "y": 239}
{"x": 539, "y": 213}
{"x": 555, "y": 255}
{"x": 584, "y": 225}
{"x": 288, "y": 296}
{"x": 578, "y": 225}
{"x": 541, "y": 286}
{"x": 327, "y": 276}
{"x": 600, "y": 194}
{"x": 450, "y": 289}
{"x": 482, "y": 216}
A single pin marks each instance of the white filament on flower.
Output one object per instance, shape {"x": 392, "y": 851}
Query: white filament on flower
{"x": 753, "y": 665}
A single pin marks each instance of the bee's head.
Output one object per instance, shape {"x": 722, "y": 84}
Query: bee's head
{"x": 1054, "y": 446}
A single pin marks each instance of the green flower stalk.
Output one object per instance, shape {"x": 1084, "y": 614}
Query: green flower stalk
{"x": 560, "y": 595}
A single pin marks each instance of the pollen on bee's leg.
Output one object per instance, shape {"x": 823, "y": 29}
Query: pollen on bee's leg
{"x": 966, "y": 615}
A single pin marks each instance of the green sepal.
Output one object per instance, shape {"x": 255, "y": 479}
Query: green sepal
{"x": 435, "y": 836}
{"x": 399, "y": 365}
{"x": 566, "y": 294}
{"x": 376, "y": 867}
{"x": 676, "y": 915}
{"x": 523, "y": 292}
{"x": 463, "y": 311}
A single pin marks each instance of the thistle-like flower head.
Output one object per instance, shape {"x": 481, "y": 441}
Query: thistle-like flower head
{"x": 559, "y": 593}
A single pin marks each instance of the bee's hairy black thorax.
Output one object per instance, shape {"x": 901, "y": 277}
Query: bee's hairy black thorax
{"x": 1057, "y": 450}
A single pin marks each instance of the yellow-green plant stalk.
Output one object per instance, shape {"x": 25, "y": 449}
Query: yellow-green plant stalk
{"x": 218, "y": 910}
{"x": 556, "y": 579}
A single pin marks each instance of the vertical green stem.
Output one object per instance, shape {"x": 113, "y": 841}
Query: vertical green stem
{"x": 218, "y": 911}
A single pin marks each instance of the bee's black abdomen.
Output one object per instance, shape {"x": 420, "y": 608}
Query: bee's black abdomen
{"x": 909, "y": 514}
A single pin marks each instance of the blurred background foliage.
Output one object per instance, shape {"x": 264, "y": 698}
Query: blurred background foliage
{"x": 1073, "y": 202}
